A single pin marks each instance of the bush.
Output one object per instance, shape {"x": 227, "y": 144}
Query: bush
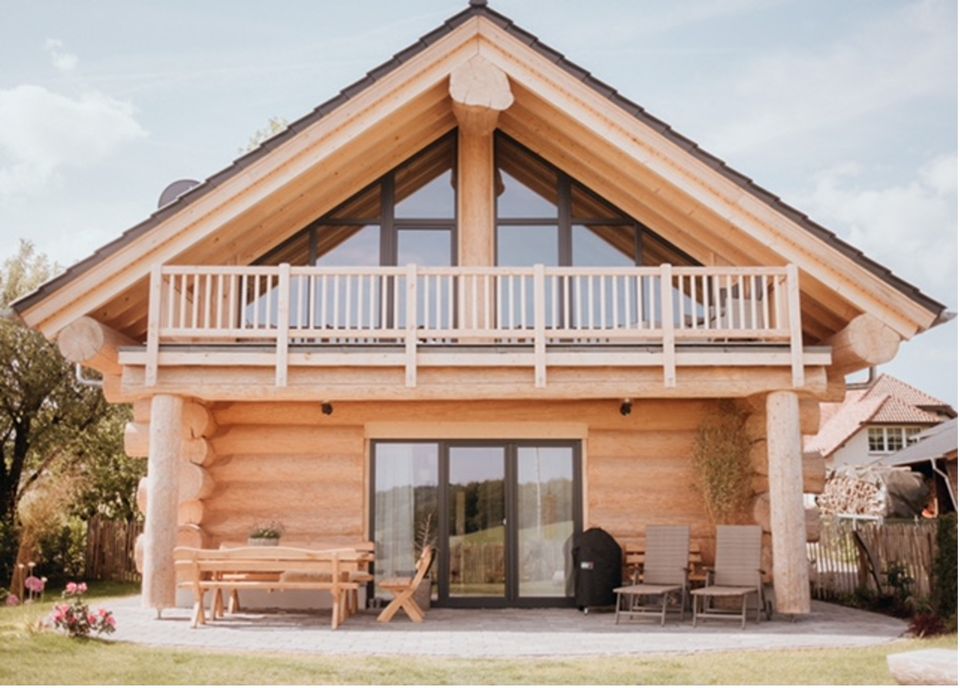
{"x": 945, "y": 572}
{"x": 61, "y": 551}
{"x": 721, "y": 461}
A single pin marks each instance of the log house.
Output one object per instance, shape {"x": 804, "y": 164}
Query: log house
{"x": 481, "y": 299}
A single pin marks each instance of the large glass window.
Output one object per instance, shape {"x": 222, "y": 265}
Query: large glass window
{"x": 406, "y": 514}
{"x": 407, "y": 216}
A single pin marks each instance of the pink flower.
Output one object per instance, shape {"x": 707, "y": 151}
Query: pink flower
{"x": 12, "y": 600}
{"x": 91, "y": 619}
{"x": 81, "y": 588}
{"x": 110, "y": 621}
{"x": 33, "y": 584}
{"x": 71, "y": 588}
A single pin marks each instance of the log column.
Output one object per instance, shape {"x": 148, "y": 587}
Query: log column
{"x": 479, "y": 91}
{"x": 791, "y": 577}
{"x": 163, "y": 476}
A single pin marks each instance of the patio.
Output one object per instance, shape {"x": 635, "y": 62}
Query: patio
{"x": 502, "y": 633}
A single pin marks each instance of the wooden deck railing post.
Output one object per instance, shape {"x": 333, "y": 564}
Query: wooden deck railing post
{"x": 667, "y": 326}
{"x": 153, "y": 326}
{"x": 283, "y": 323}
{"x": 539, "y": 325}
{"x": 411, "y": 338}
{"x": 796, "y": 329}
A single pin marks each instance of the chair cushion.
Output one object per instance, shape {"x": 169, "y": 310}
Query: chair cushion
{"x": 647, "y": 589}
{"x": 723, "y": 591}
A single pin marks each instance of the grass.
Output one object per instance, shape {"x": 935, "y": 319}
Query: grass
{"x": 31, "y": 657}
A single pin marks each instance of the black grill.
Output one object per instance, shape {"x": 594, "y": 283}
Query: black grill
{"x": 598, "y": 568}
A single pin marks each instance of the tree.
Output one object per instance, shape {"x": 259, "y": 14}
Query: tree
{"x": 50, "y": 423}
{"x": 275, "y": 125}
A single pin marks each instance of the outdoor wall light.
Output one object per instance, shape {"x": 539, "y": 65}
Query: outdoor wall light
{"x": 327, "y": 408}
{"x": 626, "y": 408}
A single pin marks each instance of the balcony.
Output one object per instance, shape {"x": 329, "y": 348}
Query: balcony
{"x": 414, "y": 317}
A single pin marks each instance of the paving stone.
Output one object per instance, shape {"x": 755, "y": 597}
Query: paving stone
{"x": 498, "y": 633}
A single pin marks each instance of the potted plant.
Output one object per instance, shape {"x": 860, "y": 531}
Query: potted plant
{"x": 265, "y": 534}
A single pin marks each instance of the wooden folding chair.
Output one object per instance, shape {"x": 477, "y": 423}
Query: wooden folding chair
{"x": 402, "y": 590}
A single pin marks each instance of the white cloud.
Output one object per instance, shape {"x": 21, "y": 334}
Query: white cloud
{"x": 900, "y": 56}
{"x": 42, "y": 132}
{"x": 910, "y": 227}
{"x": 60, "y": 58}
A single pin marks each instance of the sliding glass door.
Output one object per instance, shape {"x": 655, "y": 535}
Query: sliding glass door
{"x": 501, "y": 514}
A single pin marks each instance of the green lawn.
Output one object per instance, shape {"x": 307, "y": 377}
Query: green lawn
{"x": 30, "y": 657}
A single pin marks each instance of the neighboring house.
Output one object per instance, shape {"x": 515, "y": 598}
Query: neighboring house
{"x": 874, "y": 420}
{"x": 478, "y": 298}
{"x": 934, "y": 454}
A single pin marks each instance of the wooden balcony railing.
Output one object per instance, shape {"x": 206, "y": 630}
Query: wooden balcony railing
{"x": 530, "y": 308}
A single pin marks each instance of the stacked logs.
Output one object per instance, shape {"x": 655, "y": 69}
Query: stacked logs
{"x": 850, "y": 494}
{"x": 814, "y": 467}
{"x": 195, "y": 482}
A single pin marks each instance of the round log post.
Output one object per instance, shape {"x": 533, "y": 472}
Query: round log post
{"x": 479, "y": 91}
{"x": 791, "y": 577}
{"x": 160, "y": 528}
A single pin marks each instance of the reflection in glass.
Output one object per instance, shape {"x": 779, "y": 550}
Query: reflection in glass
{"x": 405, "y": 511}
{"x": 348, "y": 246}
{"x": 545, "y": 521}
{"x": 519, "y": 200}
{"x": 424, "y": 186}
{"x": 527, "y": 245}
{"x": 425, "y": 247}
{"x": 477, "y": 533}
{"x": 604, "y": 246}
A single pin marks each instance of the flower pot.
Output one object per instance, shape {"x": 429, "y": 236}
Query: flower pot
{"x": 263, "y": 542}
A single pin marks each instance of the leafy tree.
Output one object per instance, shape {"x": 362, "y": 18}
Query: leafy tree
{"x": 275, "y": 125}
{"x": 50, "y": 424}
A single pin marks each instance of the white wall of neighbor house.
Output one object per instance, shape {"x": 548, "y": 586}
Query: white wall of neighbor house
{"x": 852, "y": 452}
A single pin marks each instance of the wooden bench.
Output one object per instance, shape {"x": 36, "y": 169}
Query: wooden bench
{"x": 633, "y": 558}
{"x": 361, "y": 574}
{"x": 270, "y": 568}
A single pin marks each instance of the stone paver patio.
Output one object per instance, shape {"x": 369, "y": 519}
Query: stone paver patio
{"x": 499, "y": 633}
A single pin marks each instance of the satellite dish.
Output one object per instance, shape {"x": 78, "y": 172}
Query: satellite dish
{"x": 175, "y": 190}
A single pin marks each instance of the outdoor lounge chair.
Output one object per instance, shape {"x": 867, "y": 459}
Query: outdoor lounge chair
{"x": 403, "y": 589}
{"x": 736, "y": 573}
{"x": 665, "y": 568}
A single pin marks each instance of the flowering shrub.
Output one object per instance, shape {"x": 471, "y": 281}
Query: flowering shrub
{"x": 12, "y": 600}
{"x": 75, "y": 618}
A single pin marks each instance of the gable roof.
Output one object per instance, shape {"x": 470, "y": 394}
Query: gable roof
{"x": 479, "y": 9}
{"x": 886, "y": 400}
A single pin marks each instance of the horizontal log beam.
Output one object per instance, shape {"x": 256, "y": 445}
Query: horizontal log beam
{"x": 374, "y": 384}
{"x": 136, "y": 444}
{"x": 93, "y": 344}
{"x": 865, "y": 342}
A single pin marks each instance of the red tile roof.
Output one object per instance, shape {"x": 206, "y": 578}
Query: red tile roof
{"x": 886, "y": 400}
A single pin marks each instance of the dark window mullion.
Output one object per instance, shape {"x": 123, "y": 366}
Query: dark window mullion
{"x": 565, "y": 234}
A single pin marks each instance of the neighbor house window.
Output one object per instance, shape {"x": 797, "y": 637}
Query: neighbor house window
{"x": 890, "y": 438}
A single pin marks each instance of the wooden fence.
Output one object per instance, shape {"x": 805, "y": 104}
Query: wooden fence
{"x": 110, "y": 550}
{"x": 839, "y": 567}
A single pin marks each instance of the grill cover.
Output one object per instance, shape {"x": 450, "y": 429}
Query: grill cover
{"x": 598, "y": 568}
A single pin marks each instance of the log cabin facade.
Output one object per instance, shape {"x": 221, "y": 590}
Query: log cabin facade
{"x": 477, "y": 298}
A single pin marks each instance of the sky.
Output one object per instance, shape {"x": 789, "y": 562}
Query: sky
{"x": 847, "y": 110}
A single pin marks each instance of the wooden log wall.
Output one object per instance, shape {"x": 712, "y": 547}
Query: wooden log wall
{"x": 289, "y": 462}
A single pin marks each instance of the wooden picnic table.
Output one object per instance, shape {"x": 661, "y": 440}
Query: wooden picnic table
{"x": 340, "y": 571}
